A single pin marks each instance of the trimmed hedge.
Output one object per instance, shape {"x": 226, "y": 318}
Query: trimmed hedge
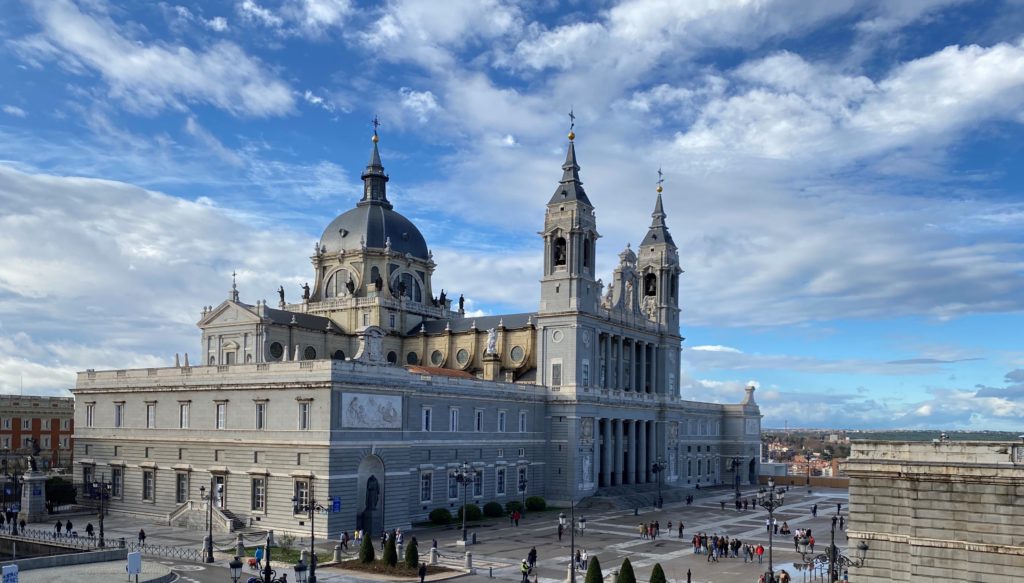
{"x": 536, "y": 503}
{"x": 390, "y": 557}
{"x": 658, "y": 574}
{"x": 594, "y": 571}
{"x": 626, "y": 574}
{"x": 366, "y": 552}
{"x": 412, "y": 555}
{"x": 472, "y": 512}
{"x": 440, "y": 516}
{"x": 493, "y": 510}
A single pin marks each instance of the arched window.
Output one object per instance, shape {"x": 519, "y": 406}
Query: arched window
{"x": 559, "y": 252}
{"x": 586, "y": 252}
{"x": 338, "y": 355}
{"x": 338, "y": 284}
{"x": 411, "y": 358}
{"x": 374, "y": 276}
{"x": 408, "y": 286}
{"x": 650, "y": 285}
{"x": 392, "y": 357}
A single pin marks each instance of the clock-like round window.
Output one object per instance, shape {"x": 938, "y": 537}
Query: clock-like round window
{"x": 557, "y": 335}
{"x": 462, "y": 356}
{"x": 309, "y": 353}
{"x": 436, "y": 357}
{"x": 517, "y": 353}
{"x": 276, "y": 350}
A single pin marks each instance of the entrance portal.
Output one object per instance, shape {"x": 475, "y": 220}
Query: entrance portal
{"x": 370, "y": 495}
{"x": 752, "y": 471}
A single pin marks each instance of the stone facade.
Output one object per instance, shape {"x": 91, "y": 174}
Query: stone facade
{"x": 941, "y": 511}
{"x": 47, "y": 420}
{"x": 371, "y": 390}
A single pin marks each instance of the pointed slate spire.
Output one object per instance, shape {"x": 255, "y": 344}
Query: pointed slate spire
{"x": 658, "y": 233}
{"x": 570, "y": 187}
{"x": 374, "y": 178}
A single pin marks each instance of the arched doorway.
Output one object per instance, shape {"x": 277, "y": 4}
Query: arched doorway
{"x": 370, "y": 495}
{"x": 752, "y": 471}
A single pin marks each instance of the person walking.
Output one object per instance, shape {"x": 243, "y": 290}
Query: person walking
{"x": 531, "y": 558}
{"x": 525, "y": 570}
{"x": 344, "y": 540}
{"x": 422, "y": 571}
{"x": 57, "y": 528}
{"x": 680, "y": 529}
{"x": 561, "y": 529}
{"x": 760, "y": 553}
{"x": 814, "y": 511}
{"x": 259, "y": 558}
{"x": 67, "y": 527}
{"x": 142, "y": 536}
{"x": 88, "y": 530}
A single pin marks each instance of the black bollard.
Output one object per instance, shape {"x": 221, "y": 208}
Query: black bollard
{"x": 636, "y": 511}
{"x": 687, "y": 576}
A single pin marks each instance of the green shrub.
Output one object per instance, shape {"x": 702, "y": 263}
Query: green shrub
{"x": 536, "y": 503}
{"x": 594, "y": 571}
{"x": 472, "y": 512}
{"x": 626, "y": 574}
{"x": 513, "y": 505}
{"x": 440, "y": 516}
{"x": 658, "y": 574}
{"x": 390, "y": 556}
{"x": 366, "y": 553}
{"x": 412, "y": 555}
{"x": 60, "y": 491}
{"x": 493, "y": 509}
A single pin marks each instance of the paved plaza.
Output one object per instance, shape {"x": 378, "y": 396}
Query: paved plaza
{"x": 610, "y": 535}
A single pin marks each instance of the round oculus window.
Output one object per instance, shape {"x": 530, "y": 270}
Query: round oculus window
{"x": 462, "y": 356}
{"x": 436, "y": 358}
{"x": 557, "y": 335}
{"x": 309, "y": 353}
{"x": 276, "y": 350}
{"x": 517, "y": 353}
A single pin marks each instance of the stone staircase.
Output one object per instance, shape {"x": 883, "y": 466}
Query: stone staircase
{"x": 639, "y": 496}
{"x": 234, "y": 523}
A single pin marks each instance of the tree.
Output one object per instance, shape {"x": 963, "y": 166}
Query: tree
{"x": 366, "y": 553}
{"x": 412, "y": 555}
{"x": 658, "y": 574}
{"x": 390, "y": 556}
{"x": 626, "y": 574}
{"x": 593, "y": 571}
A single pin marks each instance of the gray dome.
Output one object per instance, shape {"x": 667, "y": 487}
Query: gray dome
{"x": 373, "y": 223}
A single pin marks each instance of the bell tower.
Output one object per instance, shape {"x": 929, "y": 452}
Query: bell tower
{"x": 658, "y": 268}
{"x": 570, "y": 241}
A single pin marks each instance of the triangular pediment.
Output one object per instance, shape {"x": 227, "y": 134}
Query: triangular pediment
{"x": 229, "y": 313}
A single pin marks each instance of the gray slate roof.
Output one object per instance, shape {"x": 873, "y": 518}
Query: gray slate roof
{"x": 308, "y": 321}
{"x": 510, "y": 321}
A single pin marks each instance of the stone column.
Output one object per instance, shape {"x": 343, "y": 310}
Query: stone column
{"x": 634, "y": 451}
{"x": 619, "y": 365}
{"x": 597, "y": 451}
{"x": 607, "y": 361}
{"x": 655, "y": 381}
{"x": 606, "y": 466}
{"x": 643, "y": 367}
{"x": 644, "y": 469}
{"x": 617, "y": 431}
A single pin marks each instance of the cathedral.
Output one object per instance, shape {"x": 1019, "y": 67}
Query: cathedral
{"x": 372, "y": 395}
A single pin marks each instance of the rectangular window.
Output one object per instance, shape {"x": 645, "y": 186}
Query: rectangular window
{"x": 499, "y": 485}
{"x": 700, "y": 467}
{"x": 7, "y": 420}
{"x": 501, "y": 421}
{"x": 521, "y": 482}
{"x": 522, "y": 422}
{"x": 426, "y": 419}
{"x": 689, "y": 468}
{"x": 501, "y": 452}
{"x": 118, "y": 414}
{"x": 150, "y": 415}
{"x": 66, "y": 442}
{"x": 261, "y": 415}
{"x": 148, "y": 483}
{"x": 259, "y": 494}
{"x": 427, "y": 486}
{"x": 26, "y": 442}
{"x": 222, "y": 414}
{"x": 453, "y": 419}
{"x": 301, "y": 494}
{"x": 522, "y": 452}
{"x": 46, "y": 442}
{"x": 46, "y": 424}
{"x": 181, "y": 488}
{"x": 366, "y": 319}
{"x": 478, "y": 484}
{"x": 27, "y": 424}
{"x": 304, "y": 415}
{"x": 65, "y": 424}
{"x": 90, "y": 414}
{"x": 556, "y": 374}
{"x": 391, "y": 320}
{"x": 116, "y": 481}
{"x": 478, "y": 420}
{"x": 87, "y": 473}
{"x": 183, "y": 415}
{"x": 453, "y": 485}
{"x": 585, "y": 373}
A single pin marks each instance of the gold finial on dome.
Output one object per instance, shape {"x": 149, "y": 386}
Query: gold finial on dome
{"x": 376, "y": 124}
{"x": 572, "y": 124}
{"x": 572, "y": 136}
{"x": 661, "y": 178}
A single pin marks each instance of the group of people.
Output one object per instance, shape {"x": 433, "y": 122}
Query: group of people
{"x": 514, "y": 517}
{"x": 800, "y": 533}
{"x": 783, "y": 577}
{"x": 652, "y": 530}
{"x": 717, "y": 547}
{"x": 529, "y": 563}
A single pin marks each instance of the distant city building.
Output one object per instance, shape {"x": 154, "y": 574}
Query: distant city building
{"x": 940, "y": 511}
{"x": 30, "y": 421}
{"x": 371, "y": 390}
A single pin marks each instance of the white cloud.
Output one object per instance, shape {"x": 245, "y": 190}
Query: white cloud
{"x": 314, "y": 17}
{"x": 14, "y": 110}
{"x": 155, "y": 76}
{"x": 250, "y": 11}
{"x": 419, "y": 103}
{"x": 193, "y": 128}
{"x": 716, "y": 348}
{"x": 217, "y": 23}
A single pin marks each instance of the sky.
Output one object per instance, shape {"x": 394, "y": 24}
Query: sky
{"x": 843, "y": 178}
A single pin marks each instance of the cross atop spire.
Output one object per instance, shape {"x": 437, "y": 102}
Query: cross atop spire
{"x": 234, "y": 287}
{"x": 374, "y": 178}
{"x": 572, "y": 124}
{"x": 661, "y": 179}
{"x": 658, "y": 232}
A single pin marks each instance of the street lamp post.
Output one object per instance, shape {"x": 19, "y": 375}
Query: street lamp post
{"x": 835, "y": 559}
{"x": 102, "y": 489}
{"x": 465, "y": 476}
{"x": 268, "y": 573}
{"x": 522, "y": 488}
{"x": 658, "y": 468}
{"x": 16, "y": 481}
{"x": 311, "y": 508}
{"x": 736, "y": 464}
{"x": 208, "y": 543}
{"x": 572, "y": 540}
{"x": 770, "y": 500}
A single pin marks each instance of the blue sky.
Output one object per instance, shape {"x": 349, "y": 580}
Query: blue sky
{"x": 843, "y": 178}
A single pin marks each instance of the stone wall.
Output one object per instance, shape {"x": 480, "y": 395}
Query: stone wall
{"x": 938, "y": 511}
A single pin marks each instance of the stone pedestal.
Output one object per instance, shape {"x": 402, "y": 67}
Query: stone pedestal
{"x": 33, "y": 497}
{"x": 492, "y": 367}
